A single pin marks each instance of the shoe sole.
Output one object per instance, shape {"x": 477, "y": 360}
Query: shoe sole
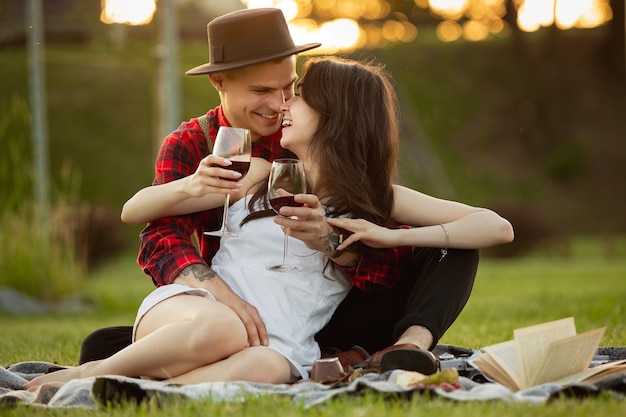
{"x": 408, "y": 360}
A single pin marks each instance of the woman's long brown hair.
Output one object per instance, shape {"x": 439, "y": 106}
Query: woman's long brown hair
{"x": 356, "y": 142}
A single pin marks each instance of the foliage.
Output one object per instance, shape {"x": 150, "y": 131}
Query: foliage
{"x": 532, "y": 121}
{"x": 15, "y": 179}
{"x": 37, "y": 251}
{"x": 567, "y": 162}
{"x": 527, "y": 121}
{"x": 35, "y": 261}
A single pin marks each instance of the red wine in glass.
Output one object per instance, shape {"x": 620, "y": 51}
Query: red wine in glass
{"x": 288, "y": 200}
{"x": 240, "y": 166}
{"x": 287, "y": 178}
{"x": 234, "y": 144}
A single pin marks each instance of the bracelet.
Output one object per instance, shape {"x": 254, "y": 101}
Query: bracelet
{"x": 444, "y": 251}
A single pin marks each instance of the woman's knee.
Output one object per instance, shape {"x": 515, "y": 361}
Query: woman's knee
{"x": 260, "y": 364}
{"x": 216, "y": 333}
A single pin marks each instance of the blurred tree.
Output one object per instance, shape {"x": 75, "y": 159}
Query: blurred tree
{"x": 615, "y": 44}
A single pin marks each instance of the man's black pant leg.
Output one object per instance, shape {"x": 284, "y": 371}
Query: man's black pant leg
{"x": 441, "y": 290}
{"x": 105, "y": 342}
{"x": 430, "y": 293}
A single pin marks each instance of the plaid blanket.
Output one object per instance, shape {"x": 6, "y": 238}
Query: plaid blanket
{"x": 89, "y": 393}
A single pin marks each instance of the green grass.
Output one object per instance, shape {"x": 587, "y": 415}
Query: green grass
{"x": 589, "y": 285}
{"x": 366, "y": 405}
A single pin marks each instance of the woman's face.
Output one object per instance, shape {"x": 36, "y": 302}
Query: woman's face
{"x": 299, "y": 124}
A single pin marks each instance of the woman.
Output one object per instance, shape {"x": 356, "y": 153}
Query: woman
{"x": 342, "y": 123}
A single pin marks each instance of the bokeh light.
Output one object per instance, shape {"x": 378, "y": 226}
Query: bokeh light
{"x": 344, "y": 25}
{"x": 449, "y": 31}
{"x": 566, "y": 14}
{"x": 137, "y": 12}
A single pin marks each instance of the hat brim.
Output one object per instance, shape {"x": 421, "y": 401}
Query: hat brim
{"x": 211, "y": 68}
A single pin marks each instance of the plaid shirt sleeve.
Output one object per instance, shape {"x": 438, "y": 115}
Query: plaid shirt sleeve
{"x": 166, "y": 244}
{"x": 377, "y": 269}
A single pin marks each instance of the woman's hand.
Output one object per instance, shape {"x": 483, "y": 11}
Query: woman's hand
{"x": 367, "y": 232}
{"x": 309, "y": 225}
{"x": 306, "y": 223}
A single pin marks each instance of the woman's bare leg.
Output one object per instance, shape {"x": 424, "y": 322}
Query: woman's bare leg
{"x": 255, "y": 364}
{"x": 176, "y": 336}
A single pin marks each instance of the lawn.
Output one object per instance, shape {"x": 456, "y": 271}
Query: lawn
{"x": 589, "y": 285}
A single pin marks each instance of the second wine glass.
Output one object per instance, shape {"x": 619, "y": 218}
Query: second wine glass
{"x": 234, "y": 144}
{"x": 286, "y": 179}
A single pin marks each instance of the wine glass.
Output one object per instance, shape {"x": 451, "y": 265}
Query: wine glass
{"x": 286, "y": 179}
{"x": 234, "y": 144}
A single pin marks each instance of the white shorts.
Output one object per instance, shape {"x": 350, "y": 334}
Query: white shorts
{"x": 163, "y": 293}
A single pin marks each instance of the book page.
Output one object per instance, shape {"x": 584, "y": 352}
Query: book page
{"x": 567, "y": 357}
{"x": 505, "y": 356}
{"x": 596, "y": 373}
{"x": 532, "y": 342}
{"x": 493, "y": 372}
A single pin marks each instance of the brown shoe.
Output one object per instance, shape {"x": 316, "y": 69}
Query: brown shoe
{"x": 353, "y": 357}
{"x": 405, "y": 356}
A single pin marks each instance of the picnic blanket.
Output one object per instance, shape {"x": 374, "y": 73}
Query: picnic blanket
{"x": 91, "y": 392}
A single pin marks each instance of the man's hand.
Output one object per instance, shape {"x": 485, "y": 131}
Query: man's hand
{"x": 212, "y": 177}
{"x": 201, "y": 276}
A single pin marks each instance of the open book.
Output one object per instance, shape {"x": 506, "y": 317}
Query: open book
{"x": 548, "y": 352}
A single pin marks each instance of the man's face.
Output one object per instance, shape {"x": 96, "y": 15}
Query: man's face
{"x": 251, "y": 96}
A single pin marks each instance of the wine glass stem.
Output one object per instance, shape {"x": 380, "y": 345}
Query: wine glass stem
{"x": 285, "y": 247}
{"x": 225, "y": 216}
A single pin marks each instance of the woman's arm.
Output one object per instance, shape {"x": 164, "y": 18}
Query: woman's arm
{"x": 439, "y": 223}
{"x": 202, "y": 190}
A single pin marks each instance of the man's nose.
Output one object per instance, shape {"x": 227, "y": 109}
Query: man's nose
{"x": 287, "y": 95}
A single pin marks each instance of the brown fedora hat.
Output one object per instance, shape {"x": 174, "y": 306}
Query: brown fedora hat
{"x": 247, "y": 37}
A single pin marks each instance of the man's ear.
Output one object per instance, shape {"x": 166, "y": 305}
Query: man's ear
{"x": 217, "y": 79}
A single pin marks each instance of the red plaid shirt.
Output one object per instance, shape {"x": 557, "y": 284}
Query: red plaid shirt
{"x": 166, "y": 244}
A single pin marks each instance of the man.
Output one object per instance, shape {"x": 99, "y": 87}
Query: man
{"x": 252, "y": 66}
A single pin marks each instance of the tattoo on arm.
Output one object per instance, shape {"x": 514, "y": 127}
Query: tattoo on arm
{"x": 199, "y": 271}
{"x": 353, "y": 248}
{"x": 333, "y": 239}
